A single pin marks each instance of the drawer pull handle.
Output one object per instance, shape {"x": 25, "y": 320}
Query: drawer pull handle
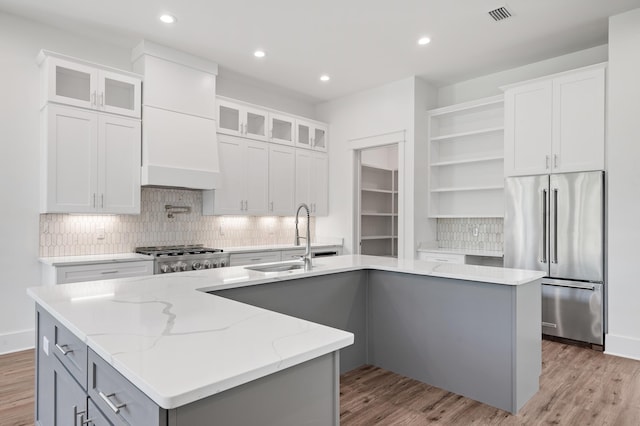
{"x": 63, "y": 349}
{"x": 109, "y": 272}
{"x": 114, "y": 407}
{"x": 549, "y": 324}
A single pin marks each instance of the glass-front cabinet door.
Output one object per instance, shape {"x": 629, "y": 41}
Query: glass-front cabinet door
{"x": 229, "y": 118}
{"x": 282, "y": 129}
{"x": 255, "y": 123}
{"x": 119, "y": 94}
{"x": 303, "y": 134}
{"x": 319, "y": 138}
{"x": 72, "y": 84}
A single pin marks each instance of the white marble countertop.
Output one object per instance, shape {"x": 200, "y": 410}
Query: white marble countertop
{"x": 471, "y": 252}
{"x": 178, "y": 344}
{"x": 94, "y": 259}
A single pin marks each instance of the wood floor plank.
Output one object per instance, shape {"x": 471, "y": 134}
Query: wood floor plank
{"x": 578, "y": 386}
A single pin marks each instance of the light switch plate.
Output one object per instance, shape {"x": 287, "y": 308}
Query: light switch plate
{"x": 45, "y": 345}
{"x": 100, "y": 232}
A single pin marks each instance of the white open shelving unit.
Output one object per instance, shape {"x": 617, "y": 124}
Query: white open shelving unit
{"x": 378, "y": 211}
{"x": 466, "y": 159}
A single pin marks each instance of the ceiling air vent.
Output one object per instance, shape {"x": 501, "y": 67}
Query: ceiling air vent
{"x": 500, "y": 13}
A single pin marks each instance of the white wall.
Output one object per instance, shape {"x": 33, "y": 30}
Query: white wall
{"x": 378, "y": 111}
{"x": 241, "y": 87}
{"x": 488, "y": 85}
{"x": 20, "y": 42}
{"x": 623, "y": 149}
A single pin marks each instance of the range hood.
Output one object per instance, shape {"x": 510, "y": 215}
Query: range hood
{"x": 179, "y": 146}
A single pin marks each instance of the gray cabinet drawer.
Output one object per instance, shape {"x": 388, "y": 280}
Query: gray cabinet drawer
{"x": 254, "y": 258}
{"x": 71, "y": 351}
{"x": 120, "y": 401}
{"x": 103, "y": 271}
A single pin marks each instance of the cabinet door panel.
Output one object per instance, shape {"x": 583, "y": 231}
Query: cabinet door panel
{"x": 119, "y": 94}
{"x": 69, "y": 398}
{"x": 119, "y": 165}
{"x": 282, "y": 129}
{"x": 579, "y": 115}
{"x": 319, "y": 185}
{"x": 528, "y": 119}
{"x": 71, "y": 83}
{"x": 304, "y": 133}
{"x": 256, "y": 167}
{"x": 71, "y": 156}
{"x": 320, "y": 138}
{"x": 281, "y": 180}
{"x": 229, "y": 118}
{"x": 229, "y": 195}
{"x": 255, "y": 123}
{"x": 303, "y": 177}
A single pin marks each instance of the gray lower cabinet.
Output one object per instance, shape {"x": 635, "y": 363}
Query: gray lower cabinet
{"x": 307, "y": 393}
{"x": 336, "y": 300}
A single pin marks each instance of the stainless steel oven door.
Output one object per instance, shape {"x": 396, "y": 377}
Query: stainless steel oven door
{"x": 573, "y": 310}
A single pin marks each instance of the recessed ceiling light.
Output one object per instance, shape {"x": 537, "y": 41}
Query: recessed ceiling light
{"x": 168, "y": 19}
{"x": 259, "y": 54}
{"x": 325, "y": 77}
{"x": 424, "y": 40}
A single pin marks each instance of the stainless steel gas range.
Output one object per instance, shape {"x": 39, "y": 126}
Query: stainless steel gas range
{"x": 168, "y": 259}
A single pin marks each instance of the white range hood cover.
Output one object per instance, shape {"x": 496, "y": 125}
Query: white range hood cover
{"x": 179, "y": 145}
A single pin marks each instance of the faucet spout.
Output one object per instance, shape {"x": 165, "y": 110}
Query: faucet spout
{"x": 307, "y": 252}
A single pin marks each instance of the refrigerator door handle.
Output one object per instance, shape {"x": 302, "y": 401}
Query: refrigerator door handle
{"x": 554, "y": 209}
{"x": 544, "y": 194}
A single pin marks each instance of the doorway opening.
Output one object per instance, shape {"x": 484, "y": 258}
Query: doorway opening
{"x": 377, "y": 193}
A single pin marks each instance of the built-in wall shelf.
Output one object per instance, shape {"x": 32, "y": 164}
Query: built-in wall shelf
{"x": 466, "y": 159}
{"x": 464, "y": 216}
{"x": 378, "y": 237}
{"x": 377, "y": 214}
{"x": 384, "y": 191}
{"x": 471, "y": 160}
{"x": 468, "y": 188}
{"x": 467, "y": 134}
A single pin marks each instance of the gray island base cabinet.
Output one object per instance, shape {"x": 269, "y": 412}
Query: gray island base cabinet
{"x": 307, "y": 393}
{"x": 480, "y": 340}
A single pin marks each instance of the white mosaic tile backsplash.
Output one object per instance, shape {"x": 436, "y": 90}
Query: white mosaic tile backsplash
{"x": 72, "y": 235}
{"x": 471, "y": 233}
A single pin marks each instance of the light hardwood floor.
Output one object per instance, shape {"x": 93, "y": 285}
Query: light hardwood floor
{"x": 578, "y": 386}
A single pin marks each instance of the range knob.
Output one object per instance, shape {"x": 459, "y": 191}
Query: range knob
{"x": 223, "y": 263}
{"x": 196, "y": 265}
{"x": 164, "y": 268}
{"x": 206, "y": 264}
{"x": 215, "y": 264}
{"x": 174, "y": 267}
{"x": 182, "y": 266}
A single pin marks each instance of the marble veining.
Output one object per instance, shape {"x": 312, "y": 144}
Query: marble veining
{"x": 178, "y": 344}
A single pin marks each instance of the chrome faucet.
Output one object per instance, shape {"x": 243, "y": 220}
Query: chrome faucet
{"x": 307, "y": 254}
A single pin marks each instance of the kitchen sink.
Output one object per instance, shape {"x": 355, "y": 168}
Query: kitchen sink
{"x": 277, "y": 266}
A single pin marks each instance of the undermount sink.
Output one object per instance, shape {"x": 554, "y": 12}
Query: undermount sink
{"x": 277, "y": 266}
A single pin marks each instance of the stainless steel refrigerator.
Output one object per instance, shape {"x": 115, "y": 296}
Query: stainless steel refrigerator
{"x": 555, "y": 223}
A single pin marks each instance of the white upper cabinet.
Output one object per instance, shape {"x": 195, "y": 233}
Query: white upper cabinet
{"x": 311, "y": 135}
{"x": 282, "y": 176}
{"x": 556, "y": 124}
{"x": 82, "y": 84}
{"x": 312, "y": 176}
{"x": 91, "y": 162}
{"x": 281, "y": 129}
{"x": 240, "y": 120}
{"x": 244, "y": 177}
{"x": 90, "y": 145}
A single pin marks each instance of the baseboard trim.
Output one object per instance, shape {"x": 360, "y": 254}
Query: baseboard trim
{"x": 17, "y": 341}
{"x": 623, "y": 346}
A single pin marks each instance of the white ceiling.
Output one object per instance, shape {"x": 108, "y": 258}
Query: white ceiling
{"x": 360, "y": 43}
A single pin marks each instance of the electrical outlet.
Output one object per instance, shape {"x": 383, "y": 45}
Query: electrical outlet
{"x": 45, "y": 345}
{"x": 100, "y": 232}
{"x": 476, "y": 231}
{"x": 221, "y": 231}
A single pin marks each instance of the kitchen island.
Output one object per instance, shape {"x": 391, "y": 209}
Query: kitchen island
{"x": 182, "y": 354}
